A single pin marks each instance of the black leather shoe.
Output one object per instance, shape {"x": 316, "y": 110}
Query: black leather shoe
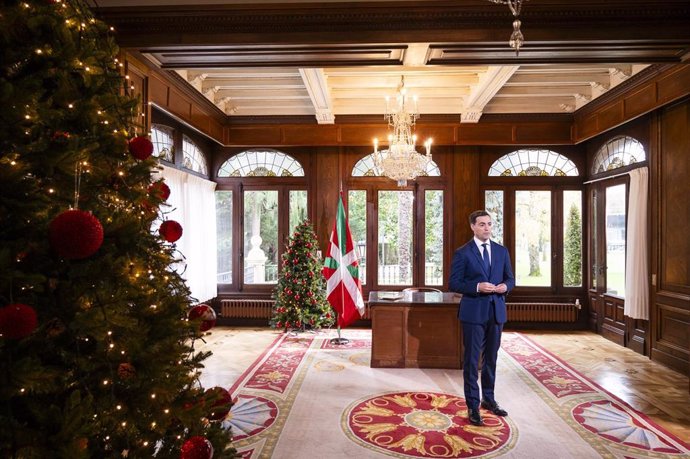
{"x": 475, "y": 417}
{"x": 494, "y": 408}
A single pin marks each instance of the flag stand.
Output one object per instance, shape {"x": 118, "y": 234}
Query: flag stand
{"x": 339, "y": 341}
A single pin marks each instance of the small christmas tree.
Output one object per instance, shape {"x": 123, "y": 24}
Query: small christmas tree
{"x": 96, "y": 354}
{"x": 301, "y": 292}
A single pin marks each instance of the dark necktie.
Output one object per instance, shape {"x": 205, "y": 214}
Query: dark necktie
{"x": 485, "y": 256}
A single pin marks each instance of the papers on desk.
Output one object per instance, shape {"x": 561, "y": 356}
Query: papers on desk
{"x": 391, "y": 296}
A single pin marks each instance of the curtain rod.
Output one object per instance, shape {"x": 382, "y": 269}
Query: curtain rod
{"x": 604, "y": 178}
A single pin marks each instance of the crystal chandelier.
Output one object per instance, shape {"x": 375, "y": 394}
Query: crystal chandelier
{"x": 516, "y": 38}
{"x": 400, "y": 161}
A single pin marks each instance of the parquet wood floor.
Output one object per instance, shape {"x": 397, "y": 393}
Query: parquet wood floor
{"x": 655, "y": 390}
{"x": 659, "y": 392}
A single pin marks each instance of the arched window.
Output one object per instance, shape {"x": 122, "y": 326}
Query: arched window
{"x": 365, "y": 168}
{"x": 162, "y": 138}
{"x": 533, "y": 162}
{"x": 402, "y": 239}
{"x": 193, "y": 158}
{"x": 533, "y": 210}
{"x": 618, "y": 152}
{"x": 261, "y": 163}
{"x": 260, "y": 212}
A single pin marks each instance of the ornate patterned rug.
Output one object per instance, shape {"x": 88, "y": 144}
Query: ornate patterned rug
{"x": 307, "y": 398}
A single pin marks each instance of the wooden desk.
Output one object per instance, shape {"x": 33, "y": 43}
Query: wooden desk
{"x": 419, "y": 330}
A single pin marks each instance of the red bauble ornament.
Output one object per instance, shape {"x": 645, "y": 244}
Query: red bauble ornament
{"x": 221, "y": 407}
{"x": 17, "y": 321}
{"x": 170, "y": 230}
{"x": 60, "y": 137}
{"x": 197, "y": 448}
{"x": 140, "y": 147}
{"x": 159, "y": 189}
{"x": 206, "y": 314}
{"x": 279, "y": 324}
{"x": 75, "y": 234}
{"x": 126, "y": 371}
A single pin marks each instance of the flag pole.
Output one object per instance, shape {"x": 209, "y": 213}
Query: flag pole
{"x": 339, "y": 340}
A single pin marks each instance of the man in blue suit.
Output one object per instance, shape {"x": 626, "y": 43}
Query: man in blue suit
{"x": 481, "y": 271}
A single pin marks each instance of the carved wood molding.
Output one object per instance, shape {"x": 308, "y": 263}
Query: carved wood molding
{"x": 277, "y": 56}
{"x": 561, "y": 23}
{"x": 650, "y": 89}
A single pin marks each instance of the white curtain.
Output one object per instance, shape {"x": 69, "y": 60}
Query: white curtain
{"x": 636, "y": 263}
{"x": 193, "y": 205}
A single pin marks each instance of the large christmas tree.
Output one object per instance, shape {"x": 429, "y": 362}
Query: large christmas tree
{"x": 301, "y": 292}
{"x": 96, "y": 354}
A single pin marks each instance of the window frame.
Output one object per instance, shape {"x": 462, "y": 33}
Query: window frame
{"x": 238, "y": 185}
{"x": 372, "y": 185}
{"x": 556, "y": 185}
{"x": 201, "y": 153}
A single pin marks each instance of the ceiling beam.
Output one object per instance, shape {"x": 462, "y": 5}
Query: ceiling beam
{"x": 489, "y": 84}
{"x": 317, "y": 86}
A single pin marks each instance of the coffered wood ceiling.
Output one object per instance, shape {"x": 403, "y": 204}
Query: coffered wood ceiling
{"x": 330, "y": 59}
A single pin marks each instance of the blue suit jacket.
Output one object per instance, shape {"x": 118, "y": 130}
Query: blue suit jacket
{"x": 467, "y": 270}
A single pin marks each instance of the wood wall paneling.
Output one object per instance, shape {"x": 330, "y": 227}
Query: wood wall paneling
{"x": 544, "y": 133}
{"x": 673, "y": 193}
{"x": 640, "y": 101}
{"x": 179, "y": 106}
{"x": 674, "y": 84}
{"x": 595, "y": 314}
{"x": 658, "y": 87}
{"x": 671, "y": 295}
{"x": 611, "y": 116}
{"x": 638, "y": 335}
{"x": 363, "y": 134}
{"x": 485, "y": 134}
{"x": 672, "y": 345}
{"x": 254, "y": 135}
{"x": 466, "y": 196}
{"x": 586, "y": 127}
{"x": 326, "y": 196}
{"x": 613, "y": 324}
{"x": 441, "y": 135}
{"x": 138, "y": 87}
{"x": 308, "y": 135}
{"x": 158, "y": 91}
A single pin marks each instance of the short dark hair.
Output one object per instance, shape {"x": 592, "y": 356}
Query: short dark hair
{"x": 476, "y": 214}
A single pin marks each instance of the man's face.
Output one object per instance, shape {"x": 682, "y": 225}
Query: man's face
{"x": 482, "y": 228}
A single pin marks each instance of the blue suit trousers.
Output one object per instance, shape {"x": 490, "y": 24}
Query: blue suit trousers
{"x": 481, "y": 342}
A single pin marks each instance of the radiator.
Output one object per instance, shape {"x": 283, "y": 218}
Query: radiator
{"x": 542, "y": 312}
{"x": 246, "y": 309}
{"x": 254, "y": 309}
